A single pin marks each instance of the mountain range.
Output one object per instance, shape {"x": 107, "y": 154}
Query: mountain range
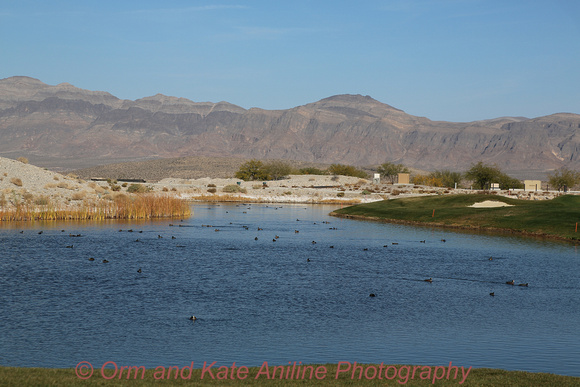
{"x": 64, "y": 125}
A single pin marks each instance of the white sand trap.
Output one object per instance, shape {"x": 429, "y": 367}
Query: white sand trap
{"x": 490, "y": 204}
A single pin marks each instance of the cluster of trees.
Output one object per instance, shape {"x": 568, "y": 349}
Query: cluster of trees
{"x": 275, "y": 170}
{"x": 563, "y": 179}
{"x": 481, "y": 175}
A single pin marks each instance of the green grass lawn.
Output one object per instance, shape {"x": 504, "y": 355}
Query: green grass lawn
{"x": 11, "y": 376}
{"x": 555, "y": 218}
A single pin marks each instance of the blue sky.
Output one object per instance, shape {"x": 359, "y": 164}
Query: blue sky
{"x": 452, "y": 60}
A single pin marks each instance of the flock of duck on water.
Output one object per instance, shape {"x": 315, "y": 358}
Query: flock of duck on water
{"x": 276, "y": 237}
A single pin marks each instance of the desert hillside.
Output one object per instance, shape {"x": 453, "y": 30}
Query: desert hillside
{"x": 66, "y": 127}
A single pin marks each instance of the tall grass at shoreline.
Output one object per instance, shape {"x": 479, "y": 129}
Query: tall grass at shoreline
{"x": 140, "y": 206}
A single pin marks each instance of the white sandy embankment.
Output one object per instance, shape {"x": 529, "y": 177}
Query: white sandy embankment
{"x": 294, "y": 189}
{"x": 490, "y": 204}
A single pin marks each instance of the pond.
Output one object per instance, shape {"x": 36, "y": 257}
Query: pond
{"x": 283, "y": 283}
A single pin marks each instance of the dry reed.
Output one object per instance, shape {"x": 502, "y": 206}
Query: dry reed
{"x": 122, "y": 207}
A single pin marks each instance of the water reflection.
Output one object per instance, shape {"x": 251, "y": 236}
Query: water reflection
{"x": 283, "y": 299}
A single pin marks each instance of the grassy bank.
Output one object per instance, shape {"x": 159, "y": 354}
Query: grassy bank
{"x": 10, "y": 376}
{"x": 122, "y": 206}
{"x": 549, "y": 218}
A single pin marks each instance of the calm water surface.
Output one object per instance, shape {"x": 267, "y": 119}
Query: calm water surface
{"x": 260, "y": 300}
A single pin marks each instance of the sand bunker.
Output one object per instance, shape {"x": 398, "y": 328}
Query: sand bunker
{"x": 490, "y": 204}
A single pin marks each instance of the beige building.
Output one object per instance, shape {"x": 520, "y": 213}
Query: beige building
{"x": 403, "y": 178}
{"x": 532, "y": 185}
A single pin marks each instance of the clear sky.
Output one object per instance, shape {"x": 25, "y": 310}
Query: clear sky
{"x": 452, "y": 60}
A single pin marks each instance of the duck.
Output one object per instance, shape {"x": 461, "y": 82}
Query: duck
{"x": 490, "y": 258}
{"x": 332, "y": 247}
{"x": 139, "y": 271}
{"x": 256, "y": 238}
{"x": 372, "y": 295}
{"x": 307, "y": 259}
{"x": 428, "y": 280}
{"x": 492, "y": 294}
{"x": 193, "y": 318}
{"x": 510, "y": 282}
{"x": 526, "y": 284}
{"x": 105, "y": 261}
{"x": 313, "y": 242}
{"x": 70, "y": 246}
{"x": 443, "y": 240}
{"x": 91, "y": 259}
{"x": 423, "y": 241}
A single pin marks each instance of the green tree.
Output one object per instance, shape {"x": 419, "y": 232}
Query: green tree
{"x": 563, "y": 178}
{"x": 507, "y": 182}
{"x": 252, "y": 170}
{"x": 311, "y": 171}
{"x": 446, "y": 177}
{"x": 278, "y": 169}
{"x": 347, "y": 170}
{"x": 482, "y": 175}
{"x": 390, "y": 171}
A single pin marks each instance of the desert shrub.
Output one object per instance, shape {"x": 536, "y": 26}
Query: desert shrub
{"x": 63, "y": 184}
{"x": 16, "y": 181}
{"x": 165, "y": 189}
{"x": 72, "y": 176}
{"x": 340, "y": 194}
{"x": 78, "y": 195}
{"x": 233, "y": 188}
{"x": 55, "y": 177}
{"x": 252, "y": 170}
{"x": 347, "y": 170}
{"x": 335, "y": 178}
{"x": 366, "y": 192}
{"x": 138, "y": 188}
{"x": 211, "y": 185}
{"x": 124, "y": 185}
{"x": 27, "y": 197}
{"x": 23, "y": 160}
{"x": 42, "y": 201}
{"x": 211, "y": 190}
{"x": 174, "y": 189}
{"x": 3, "y": 200}
{"x": 277, "y": 170}
{"x": 395, "y": 192}
{"x": 311, "y": 171}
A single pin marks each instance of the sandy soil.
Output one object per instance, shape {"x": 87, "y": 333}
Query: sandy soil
{"x": 25, "y": 183}
{"x": 490, "y": 204}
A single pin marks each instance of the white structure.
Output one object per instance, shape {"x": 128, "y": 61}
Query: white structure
{"x": 377, "y": 178}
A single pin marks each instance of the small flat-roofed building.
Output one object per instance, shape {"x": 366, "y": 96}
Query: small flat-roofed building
{"x": 532, "y": 185}
{"x": 403, "y": 178}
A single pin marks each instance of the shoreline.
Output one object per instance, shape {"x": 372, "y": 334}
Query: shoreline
{"x": 491, "y": 230}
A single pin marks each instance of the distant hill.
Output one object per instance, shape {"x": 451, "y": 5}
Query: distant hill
{"x": 66, "y": 127}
